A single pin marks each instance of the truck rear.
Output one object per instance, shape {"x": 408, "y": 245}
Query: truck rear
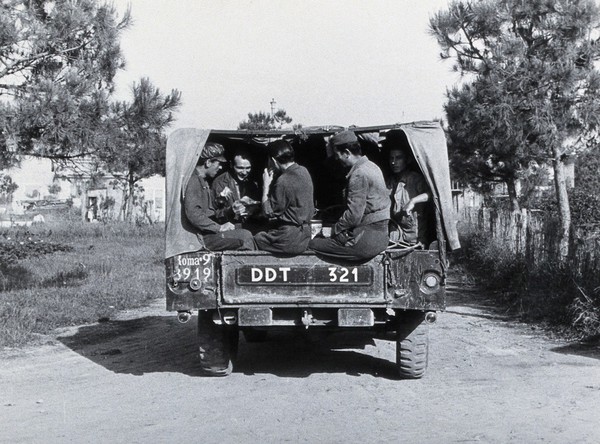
{"x": 399, "y": 292}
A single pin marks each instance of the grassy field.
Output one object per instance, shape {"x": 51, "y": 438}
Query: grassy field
{"x": 68, "y": 273}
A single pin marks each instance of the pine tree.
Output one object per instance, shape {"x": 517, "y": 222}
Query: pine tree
{"x": 57, "y": 63}
{"x": 136, "y": 141}
{"x": 531, "y": 89}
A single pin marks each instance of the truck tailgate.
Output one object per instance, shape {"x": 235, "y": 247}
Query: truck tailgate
{"x": 265, "y": 279}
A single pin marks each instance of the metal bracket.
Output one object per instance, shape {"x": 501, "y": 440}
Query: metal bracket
{"x": 307, "y": 318}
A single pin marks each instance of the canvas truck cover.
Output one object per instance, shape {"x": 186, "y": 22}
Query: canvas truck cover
{"x": 184, "y": 146}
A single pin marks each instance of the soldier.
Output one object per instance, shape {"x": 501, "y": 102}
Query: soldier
{"x": 362, "y": 231}
{"x": 199, "y": 207}
{"x": 287, "y": 201}
{"x": 236, "y": 195}
{"x": 410, "y": 195}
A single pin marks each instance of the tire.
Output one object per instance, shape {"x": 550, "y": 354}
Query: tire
{"x": 412, "y": 347}
{"x": 255, "y": 335}
{"x": 217, "y": 345}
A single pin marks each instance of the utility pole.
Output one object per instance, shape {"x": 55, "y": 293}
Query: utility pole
{"x": 273, "y": 102}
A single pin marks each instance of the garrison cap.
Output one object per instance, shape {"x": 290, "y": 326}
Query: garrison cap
{"x": 343, "y": 138}
{"x": 213, "y": 151}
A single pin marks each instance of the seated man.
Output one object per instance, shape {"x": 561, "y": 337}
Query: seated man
{"x": 235, "y": 195}
{"x": 199, "y": 210}
{"x": 287, "y": 201}
{"x": 410, "y": 195}
{"x": 361, "y": 233}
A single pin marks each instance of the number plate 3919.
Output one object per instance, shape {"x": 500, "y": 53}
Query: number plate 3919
{"x": 187, "y": 268}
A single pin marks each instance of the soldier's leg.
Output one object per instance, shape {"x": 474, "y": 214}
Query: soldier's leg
{"x": 229, "y": 240}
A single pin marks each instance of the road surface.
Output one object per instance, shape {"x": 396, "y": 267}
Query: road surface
{"x": 135, "y": 380}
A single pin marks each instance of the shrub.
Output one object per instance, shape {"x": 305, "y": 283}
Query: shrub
{"x": 547, "y": 291}
{"x": 92, "y": 271}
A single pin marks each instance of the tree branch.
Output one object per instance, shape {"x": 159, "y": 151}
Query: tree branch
{"x": 29, "y": 61}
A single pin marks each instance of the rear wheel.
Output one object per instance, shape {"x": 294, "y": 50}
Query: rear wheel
{"x": 217, "y": 345}
{"x": 412, "y": 346}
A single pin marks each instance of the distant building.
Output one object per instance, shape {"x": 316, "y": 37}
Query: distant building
{"x": 41, "y": 182}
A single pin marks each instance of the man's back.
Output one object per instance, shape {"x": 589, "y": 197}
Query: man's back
{"x": 292, "y": 198}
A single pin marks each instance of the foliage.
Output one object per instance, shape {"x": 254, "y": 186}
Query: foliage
{"x": 83, "y": 283}
{"x": 54, "y": 188}
{"x": 137, "y": 142}
{"x": 531, "y": 88}
{"x": 585, "y": 312}
{"x": 265, "y": 121}
{"x": 7, "y": 186}
{"x": 585, "y": 197}
{"x": 25, "y": 245}
{"x": 57, "y": 64}
{"x": 549, "y": 292}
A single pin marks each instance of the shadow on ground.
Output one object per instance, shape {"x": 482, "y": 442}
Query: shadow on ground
{"x": 589, "y": 349}
{"x": 160, "y": 344}
{"x": 482, "y": 304}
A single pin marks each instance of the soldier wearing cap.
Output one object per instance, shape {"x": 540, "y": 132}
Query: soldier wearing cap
{"x": 362, "y": 231}
{"x": 199, "y": 208}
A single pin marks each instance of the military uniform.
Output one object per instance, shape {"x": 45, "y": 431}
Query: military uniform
{"x": 290, "y": 207}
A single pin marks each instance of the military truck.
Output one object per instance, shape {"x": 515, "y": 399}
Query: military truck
{"x": 399, "y": 292}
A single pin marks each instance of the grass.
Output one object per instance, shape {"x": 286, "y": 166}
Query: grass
{"x": 93, "y": 271}
{"x": 549, "y": 293}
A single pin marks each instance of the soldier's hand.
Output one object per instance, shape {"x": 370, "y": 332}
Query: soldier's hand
{"x": 226, "y": 192}
{"x": 227, "y": 226}
{"x": 239, "y": 208}
{"x": 408, "y": 207}
{"x": 267, "y": 177}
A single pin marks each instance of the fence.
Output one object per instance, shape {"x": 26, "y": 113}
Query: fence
{"x": 532, "y": 235}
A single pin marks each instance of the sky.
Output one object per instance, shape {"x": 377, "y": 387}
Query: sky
{"x": 326, "y": 62}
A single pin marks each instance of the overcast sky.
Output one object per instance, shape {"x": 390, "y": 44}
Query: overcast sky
{"x": 361, "y": 62}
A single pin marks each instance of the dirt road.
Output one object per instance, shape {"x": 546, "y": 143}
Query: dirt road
{"x": 135, "y": 380}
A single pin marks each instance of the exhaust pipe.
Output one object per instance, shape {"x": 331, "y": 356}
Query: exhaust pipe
{"x": 430, "y": 317}
{"x": 183, "y": 316}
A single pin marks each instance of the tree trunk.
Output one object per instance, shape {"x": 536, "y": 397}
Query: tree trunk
{"x": 511, "y": 186}
{"x": 84, "y": 200}
{"x": 564, "y": 211}
{"x": 123, "y": 209}
{"x": 130, "y": 198}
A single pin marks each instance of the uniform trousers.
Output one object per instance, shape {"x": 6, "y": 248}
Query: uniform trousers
{"x": 359, "y": 244}
{"x": 238, "y": 239}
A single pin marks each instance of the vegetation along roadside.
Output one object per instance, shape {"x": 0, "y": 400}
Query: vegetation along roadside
{"x": 65, "y": 274}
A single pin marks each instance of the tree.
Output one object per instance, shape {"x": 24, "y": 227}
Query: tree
{"x": 7, "y": 187}
{"x": 137, "y": 142}
{"x": 264, "y": 121}
{"x": 585, "y": 196}
{"x": 57, "y": 63}
{"x": 487, "y": 143}
{"x": 531, "y": 89}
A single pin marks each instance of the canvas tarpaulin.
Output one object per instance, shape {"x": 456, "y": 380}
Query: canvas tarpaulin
{"x": 426, "y": 139}
{"x": 428, "y": 144}
{"x": 183, "y": 151}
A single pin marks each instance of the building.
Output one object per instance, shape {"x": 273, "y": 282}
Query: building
{"x": 44, "y": 183}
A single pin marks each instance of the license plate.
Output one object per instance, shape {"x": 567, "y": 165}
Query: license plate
{"x": 307, "y": 275}
{"x": 186, "y": 268}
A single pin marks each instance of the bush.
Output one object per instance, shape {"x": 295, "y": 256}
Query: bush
{"x": 548, "y": 292}
{"x": 92, "y": 271}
